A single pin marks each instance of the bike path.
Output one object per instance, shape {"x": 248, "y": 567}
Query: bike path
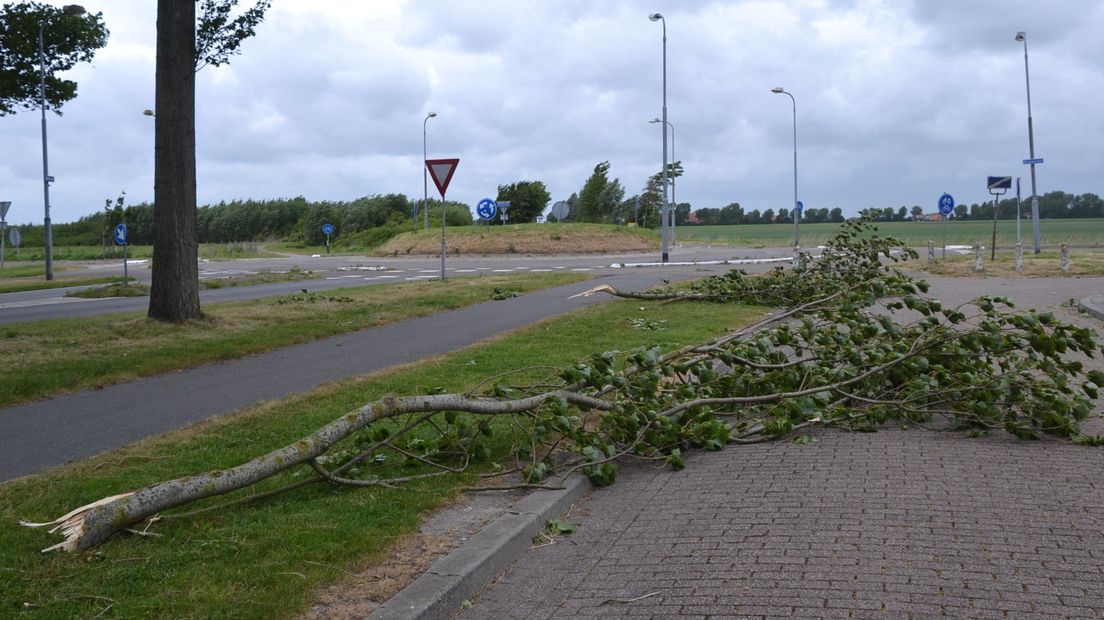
{"x": 47, "y": 433}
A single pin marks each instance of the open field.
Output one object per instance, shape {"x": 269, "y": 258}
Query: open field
{"x": 271, "y": 558}
{"x": 1079, "y": 232}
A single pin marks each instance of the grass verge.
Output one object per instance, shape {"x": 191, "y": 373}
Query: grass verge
{"x": 267, "y": 560}
{"x": 52, "y": 357}
{"x": 1047, "y": 264}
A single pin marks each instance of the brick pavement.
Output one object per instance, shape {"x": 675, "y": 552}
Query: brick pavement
{"x": 894, "y": 524}
{"x": 891, "y": 524}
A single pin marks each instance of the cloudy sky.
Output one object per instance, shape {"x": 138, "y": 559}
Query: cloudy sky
{"x": 897, "y": 102}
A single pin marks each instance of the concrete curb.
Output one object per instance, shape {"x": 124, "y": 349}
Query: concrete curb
{"x": 457, "y": 576}
{"x": 1094, "y": 305}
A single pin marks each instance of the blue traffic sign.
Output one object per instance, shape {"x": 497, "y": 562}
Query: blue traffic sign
{"x": 1033, "y": 161}
{"x": 120, "y": 234}
{"x": 946, "y": 204}
{"x": 487, "y": 209}
{"x": 327, "y": 229}
{"x": 800, "y": 207}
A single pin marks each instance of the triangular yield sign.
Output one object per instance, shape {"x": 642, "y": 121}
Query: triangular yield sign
{"x": 441, "y": 170}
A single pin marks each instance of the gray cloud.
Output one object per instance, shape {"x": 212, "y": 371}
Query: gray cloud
{"x": 896, "y": 102}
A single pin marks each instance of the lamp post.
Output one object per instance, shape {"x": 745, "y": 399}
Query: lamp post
{"x": 425, "y": 156}
{"x": 70, "y": 9}
{"x": 778, "y": 90}
{"x": 1022, "y": 36}
{"x": 674, "y": 201}
{"x": 663, "y": 215}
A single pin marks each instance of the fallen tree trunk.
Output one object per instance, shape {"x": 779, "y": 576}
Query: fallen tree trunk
{"x": 94, "y": 523}
{"x": 829, "y": 359}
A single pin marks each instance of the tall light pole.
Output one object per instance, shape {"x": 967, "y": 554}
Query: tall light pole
{"x": 778, "y": 90}
{"x": 425, "y": 156}
{"x": 1022, "y": 36}
{"x": 48, "y": 234}
{"x": 663, "y": 216}
{"x": 674, "y": 201}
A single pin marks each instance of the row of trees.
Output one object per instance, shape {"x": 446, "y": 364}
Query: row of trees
{"x": 288, "y": 219}
{"x": 733, "y": 213}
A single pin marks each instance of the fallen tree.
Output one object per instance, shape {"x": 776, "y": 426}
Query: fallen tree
{"x": 858, "y": 343}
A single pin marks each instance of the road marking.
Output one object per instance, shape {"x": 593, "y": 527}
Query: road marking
{"x": 540, "y": 270}
{"x": 466, "y": 270}
{"x": 501, "y": 270}
{"x": 427, "y": 271}
{"x": 51, "y": 300}
{"x": 583, "y": 269}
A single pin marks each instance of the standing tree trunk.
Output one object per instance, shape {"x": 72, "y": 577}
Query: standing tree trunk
{"x": 174, "y": 294}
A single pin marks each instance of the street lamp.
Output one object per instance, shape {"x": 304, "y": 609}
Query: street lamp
{"x": 149, "y": 113}
{"x": 70, "y": 9}
{"x": 674, "y": 201}
{"x": 778, "y": 90}
{"x": 425, "y": 156}
{"x": 1022, "y": 36}
{"x": 663, "y": 216}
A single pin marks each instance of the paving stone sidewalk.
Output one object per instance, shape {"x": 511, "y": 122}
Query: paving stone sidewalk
{"x": 895, "y": 524}
{"x": 885, "y": 525}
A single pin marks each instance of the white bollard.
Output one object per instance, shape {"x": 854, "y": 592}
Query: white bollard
{"x": 931, "y": 251}
{"x": 1065, "y": 258}
{"x": 979, "y": 261}
{"x": 1019, "y": 256}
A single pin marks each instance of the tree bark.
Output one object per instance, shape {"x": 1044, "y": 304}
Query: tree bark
{"x": 174, "y": 294}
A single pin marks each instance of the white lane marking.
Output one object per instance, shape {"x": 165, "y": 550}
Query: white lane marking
{"x": 501, "y": 270}
{"x": 540, "y": 270}
{"x": 51, "y": 300}
{"x": 583, "y": 269}
{"x": 466, "y": 270}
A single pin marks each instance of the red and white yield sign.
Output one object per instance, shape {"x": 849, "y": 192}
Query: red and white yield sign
{"x": 441, "y": 170}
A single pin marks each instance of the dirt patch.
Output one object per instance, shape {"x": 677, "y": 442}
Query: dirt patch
{"x": 536, "y": 239}
{"x": 368, "y": 586}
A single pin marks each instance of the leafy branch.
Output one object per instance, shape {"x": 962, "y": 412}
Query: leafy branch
{"x": 858, "y": 345}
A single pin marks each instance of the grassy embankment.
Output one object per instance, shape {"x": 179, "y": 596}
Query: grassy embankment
{"x": 270, "y": 559}
{"x": 1080, "y": 232}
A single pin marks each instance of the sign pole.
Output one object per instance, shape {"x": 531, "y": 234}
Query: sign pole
{"x": 441, "y": 170}
{"x": 121, "y": 239}
{"x": 946, "y": 208}
{"x": 4, "y": 206}
{"x": 995, "y": 184}
{"x": 944, "y": 238}
{"x": 1018, "y": 240}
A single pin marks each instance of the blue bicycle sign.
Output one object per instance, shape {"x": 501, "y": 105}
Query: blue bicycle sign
{"x": 946, "y": 204}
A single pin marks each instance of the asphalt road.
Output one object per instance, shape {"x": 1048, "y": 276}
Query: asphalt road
{"x": 338, "y": 272}
{"x": 42, "y": 434}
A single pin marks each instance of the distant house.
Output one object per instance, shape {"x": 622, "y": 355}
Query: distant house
{"x": 928, "y": 217}
{"x": 692, "y": 218}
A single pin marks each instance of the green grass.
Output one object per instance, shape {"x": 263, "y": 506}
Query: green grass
{"x": 1087, "y": 262}
{"x": 967, "y": 232}
{"x": 117, "y": 289}
{"x": 268, "y": 559}
{"x": 51, "y": 357}
{"x": 27, "y": 284}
